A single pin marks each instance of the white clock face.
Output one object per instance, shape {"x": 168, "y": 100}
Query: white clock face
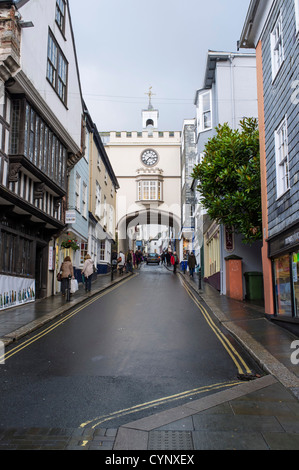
{"x": 149, "y": 157}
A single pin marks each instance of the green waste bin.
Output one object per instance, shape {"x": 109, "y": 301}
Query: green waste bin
{"x": 254, "y": 285}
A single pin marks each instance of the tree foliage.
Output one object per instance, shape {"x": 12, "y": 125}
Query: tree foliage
{"x": 229, "y": 179}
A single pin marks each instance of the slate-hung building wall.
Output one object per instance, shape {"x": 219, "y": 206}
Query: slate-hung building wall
{"x": 281, "y": 116}
{"x": 272, "y": 27}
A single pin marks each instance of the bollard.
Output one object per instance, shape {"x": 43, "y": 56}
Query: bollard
{"x": 199, "y": 279}
{"x": 68, "y": 291}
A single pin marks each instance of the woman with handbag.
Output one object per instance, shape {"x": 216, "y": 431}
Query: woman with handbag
{"x": 87, "y": 271}
{"x": 67, "y": 273}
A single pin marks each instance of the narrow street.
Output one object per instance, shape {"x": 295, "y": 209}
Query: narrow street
{"x": 141, "y": 347}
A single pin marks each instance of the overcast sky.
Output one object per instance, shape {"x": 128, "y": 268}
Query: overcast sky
{"x": 126, "y": 46}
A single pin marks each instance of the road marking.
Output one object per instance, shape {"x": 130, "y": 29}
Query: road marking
{"x": 58, "y": 323}
{"x": 161, "y": 401}
{"x": 238, "y": 360}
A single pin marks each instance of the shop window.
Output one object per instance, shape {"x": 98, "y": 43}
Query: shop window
{"x": 282, "y": 277}
{"x": 83, "y": 252}
{"x": 295, "y": 275}
{"x": 102, "y": 249}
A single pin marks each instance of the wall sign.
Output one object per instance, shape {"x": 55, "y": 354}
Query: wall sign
{"x": 16, "y": 291}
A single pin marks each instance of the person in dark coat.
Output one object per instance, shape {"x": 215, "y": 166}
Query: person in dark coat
{"x": 191, "y": 263}
{"x": 129, "y": 262}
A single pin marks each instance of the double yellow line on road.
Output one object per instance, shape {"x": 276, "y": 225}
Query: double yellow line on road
{"x": 154, "y": 403}
{"x": 60, "y": 322}
{"x": 237, "y": 359}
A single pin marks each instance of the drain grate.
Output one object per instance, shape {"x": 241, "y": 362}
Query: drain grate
{"x": 170, "y": 440}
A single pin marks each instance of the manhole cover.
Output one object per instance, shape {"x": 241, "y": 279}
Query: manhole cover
{"x": 170, "y": 440}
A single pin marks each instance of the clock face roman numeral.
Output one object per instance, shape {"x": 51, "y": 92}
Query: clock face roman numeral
{"x": 149, "y": 157}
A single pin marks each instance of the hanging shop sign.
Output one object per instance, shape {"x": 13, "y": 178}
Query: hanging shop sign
{"x": 15, "y": 291}
{"x": 70, "y": 217}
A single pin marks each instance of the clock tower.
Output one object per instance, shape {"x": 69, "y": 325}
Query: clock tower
{"x": 147, "y": 165}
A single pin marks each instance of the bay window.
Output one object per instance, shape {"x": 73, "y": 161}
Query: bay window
{"x": 149, "y": 190}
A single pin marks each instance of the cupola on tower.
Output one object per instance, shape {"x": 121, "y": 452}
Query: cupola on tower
{"x": 150, "y": 115}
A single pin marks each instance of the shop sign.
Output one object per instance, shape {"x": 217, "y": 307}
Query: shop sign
{"x": 229, "y": 239}
{"x": 292, "y": 239}
{"x": 51, "y": 259}
{"x": 283, "y": 243}
{"x": 70, "y": 217}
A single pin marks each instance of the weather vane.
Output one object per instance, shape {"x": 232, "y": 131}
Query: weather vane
{"x": 150, "y": 94}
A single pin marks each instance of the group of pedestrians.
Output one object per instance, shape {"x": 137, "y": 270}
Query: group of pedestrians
{"x": 66, "y": 273}
{"x": 129, "y": 261}
{"x": 171, "y": 259}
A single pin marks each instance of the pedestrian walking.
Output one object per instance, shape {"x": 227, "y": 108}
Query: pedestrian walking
{"x": 138, "y": 258}
{"x": 129, "y": 261}
{"x": 87, "y": 271}
{"x": 168, "y": 257}
{"x": 174, "y": 261}
{"x": 191, "y": 263}
{"x": 121, "y": 262}
{"x": 67, "y": 273}
{"x": 134, "y": 259}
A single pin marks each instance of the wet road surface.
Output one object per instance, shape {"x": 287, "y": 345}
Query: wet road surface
{"x": 141, "y": 347}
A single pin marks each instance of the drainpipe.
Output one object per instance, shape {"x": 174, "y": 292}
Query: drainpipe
{"x": 232, "y": 87}
{"x": 222, "y": 279}
{"x": 54, "y": 270}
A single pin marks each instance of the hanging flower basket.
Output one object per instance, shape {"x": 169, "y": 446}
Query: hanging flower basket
{"x": 70, "y": 243}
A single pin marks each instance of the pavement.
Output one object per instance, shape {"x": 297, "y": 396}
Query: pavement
{"x": 258, "y": 413}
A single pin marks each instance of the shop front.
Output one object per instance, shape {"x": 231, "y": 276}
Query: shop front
{"x": 284, "y": 254}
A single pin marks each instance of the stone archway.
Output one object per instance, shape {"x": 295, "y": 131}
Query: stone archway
{"x": 147, "y": 216}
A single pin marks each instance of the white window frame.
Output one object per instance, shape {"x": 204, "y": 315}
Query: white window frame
{"x": 87, "y": 145}
{"x": 110, "y": 227}
{"x": 277, "y": 49}
{"x": 297, "y": 15}
{"x": 99, "y": 162}
{"x": 282, "y": 158}
{"x": 98, "y": 200}
{"x": 202, "y": 113}
{"x": 105, "y": 212}
{"x": 150, "y": 190}
{"x": 102, "y": 245}
{"x": 78, "y": 192}
{"x": 84, "y": 200}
